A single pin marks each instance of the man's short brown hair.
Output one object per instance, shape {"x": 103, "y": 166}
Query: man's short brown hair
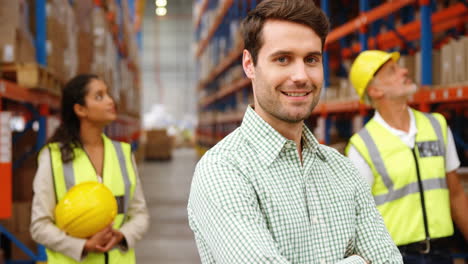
{"x": 299, "y": 11}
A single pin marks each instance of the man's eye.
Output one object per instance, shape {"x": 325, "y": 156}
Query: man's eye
{"x": 282, "y": 59}
{"x": 99, "y": 97}
{"x": 311, "y": 60}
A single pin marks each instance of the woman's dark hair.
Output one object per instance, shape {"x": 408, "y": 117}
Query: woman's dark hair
{"x": 67, "y": 134}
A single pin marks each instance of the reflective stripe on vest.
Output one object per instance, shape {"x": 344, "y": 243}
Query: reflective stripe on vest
{"x": 435, "y": 124}
{"x": 429, "y": 184}
{"x": 398, "y": 170}
{"x": 69, "y": 176}
{"x": 123, "y": 168}
{"x": 392, "y": 195}
{"x": 376, "y": 158}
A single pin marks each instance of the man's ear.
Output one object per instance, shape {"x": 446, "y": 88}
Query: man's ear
{"x": 80, "y": 110}
{"x": 374, "y": 91}
{"x": 248, "y": 65}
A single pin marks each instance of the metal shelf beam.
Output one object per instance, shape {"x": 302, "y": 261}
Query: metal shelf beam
{"x": 366, "y": 18}
{"x": 222, "y": 10}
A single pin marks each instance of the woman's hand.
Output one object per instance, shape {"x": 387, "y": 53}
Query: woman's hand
{"x": 95, "y": 242}
{"x": 117, "y": 236}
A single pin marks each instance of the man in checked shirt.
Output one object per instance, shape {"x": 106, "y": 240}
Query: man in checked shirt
{"x": 269, "y": 192}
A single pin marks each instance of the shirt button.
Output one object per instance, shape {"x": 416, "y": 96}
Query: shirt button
{"x": 289, "y": 145}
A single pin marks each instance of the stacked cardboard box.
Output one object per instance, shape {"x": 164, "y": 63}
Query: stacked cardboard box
{"x": 437, "y": 68}
{"x": 453, "y": 61}
{"x": 447, "y": 65}
{"x": 460, "y": 51}
{"x": 159, "y": 145}
{"x": 16, "y": 41}
{"x": 105, "y": 56}
{"x": 71, "y": 50}
{"x": 127, "y": 84}
{"x": 23, "y": 176}
{"x": 100, "y": 39}
{"x": 83, "y": 11}
{"x": 62, "y": 34}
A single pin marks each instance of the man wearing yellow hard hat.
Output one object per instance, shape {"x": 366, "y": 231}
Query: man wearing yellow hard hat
{"x": 409, "y": 159}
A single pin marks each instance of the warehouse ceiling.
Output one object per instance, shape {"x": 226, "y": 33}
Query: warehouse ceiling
{"x": 167, "y": 59}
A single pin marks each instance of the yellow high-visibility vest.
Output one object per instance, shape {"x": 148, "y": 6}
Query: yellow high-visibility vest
{"x": 118, "y": 175}
{"x": 399, "y": 174}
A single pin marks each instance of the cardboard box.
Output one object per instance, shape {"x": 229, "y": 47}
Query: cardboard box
{"x": 83, "y": 11}
{"x": 447, "y": 71}
{"x": 71, "y": 48}
{"x": 344, "y": 89}
{"x": 24, "y": 175}
{"x": 56, "y": 45}
{"x": 23, "y": 178}
{"x": 332, "y": 93}
{"x": 62, "y": 35}
{"x": 158, "y": 144}
{"x": 16, "y": 42}
{"x": 23, "y": 144}
{"x": 86, "y": 51}
{"x": 16, "y": 46}
{"x": 14, "y": 14}
{"x": 8, "y": 223}
{"x": 436, "y": 67}
{"x": 459, "y": 60}
{"x": 22, "y": 216}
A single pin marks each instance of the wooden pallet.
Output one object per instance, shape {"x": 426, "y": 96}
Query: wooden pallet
{"x": 32, "y": 76}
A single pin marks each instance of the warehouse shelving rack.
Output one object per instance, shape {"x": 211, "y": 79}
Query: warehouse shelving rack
{"x": 41, "y": 105}
{"x": 208, "y": 132}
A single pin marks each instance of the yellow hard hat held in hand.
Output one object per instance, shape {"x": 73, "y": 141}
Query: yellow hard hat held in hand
{"x": 86, "y": 209}
{"x": 365, "y": 66}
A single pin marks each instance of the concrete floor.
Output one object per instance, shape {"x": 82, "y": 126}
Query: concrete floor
{"x": 166, "y": 187}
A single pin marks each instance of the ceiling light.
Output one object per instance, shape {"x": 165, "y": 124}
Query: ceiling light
{"x": 161, "y": 11}
{"x": 161, "y": 3}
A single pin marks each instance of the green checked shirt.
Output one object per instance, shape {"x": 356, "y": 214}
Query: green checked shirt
{"x": 252, "y": 201}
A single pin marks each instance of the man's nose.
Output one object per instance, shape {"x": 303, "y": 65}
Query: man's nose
{"x": 299, "y": 73}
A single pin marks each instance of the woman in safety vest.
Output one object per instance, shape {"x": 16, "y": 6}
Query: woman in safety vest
{"x": 80, "y": 152}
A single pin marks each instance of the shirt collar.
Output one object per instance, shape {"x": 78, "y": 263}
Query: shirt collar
{"x": 413, "y": 130}
{"x": 268, "y": 142}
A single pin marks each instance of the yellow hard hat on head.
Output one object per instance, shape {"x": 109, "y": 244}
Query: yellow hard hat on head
{"x": 365, "y": 66}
